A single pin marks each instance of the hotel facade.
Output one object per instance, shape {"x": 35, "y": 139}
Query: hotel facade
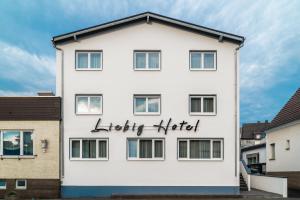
{"x": 150, "y": 105}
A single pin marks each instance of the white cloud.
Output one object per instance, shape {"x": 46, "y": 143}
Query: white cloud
{"x": 30, "y": 71}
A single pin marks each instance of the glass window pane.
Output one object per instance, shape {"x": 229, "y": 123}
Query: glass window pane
{"x": 21, "y": 183}
{"x": 216, "y": 149}
{"x": 88, "y": 148}
{"x": 153, "y": 104}
{"x": 102, "y": 149}
{"x": 209, "y": 60}
{"x": 196, "y": 60}
{"x": 140, "y": 104}
{"x": 153, "y": 60}
{"x": 182, "y": 149}
{"x": 82, "y": 60}
{"x": 75, "y": 149}
{"x": 27, "y": 143}
{"x": 2, "y": 184}
{"x": 95, "y": 104}
{"x": 95, "y": 59}
{"x": 132, "y": 148}
{"x": 11, "y": 143}
{"x": 140, "y": 60}
{"x": 145, "y": 148}
{"x": 199, "y": 149}
{"x": 82, "y": 105}
{"x": 208, "y": 104}
{"x": 158, "y": 148}
{"x": 195, "y": 104}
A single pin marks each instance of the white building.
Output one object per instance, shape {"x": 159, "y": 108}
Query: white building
{"x": 138, "y": 72}
{"x": 283, "y": 151}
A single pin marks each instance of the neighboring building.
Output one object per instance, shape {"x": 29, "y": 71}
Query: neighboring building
{"x": 283, "y": 137}
{"x": 253, "y": 133}
{"x": 253, "y": 146}
{"x": 119, "y": 80}
{"x": 29, "y": 147}
{"x": 255, "y": 158}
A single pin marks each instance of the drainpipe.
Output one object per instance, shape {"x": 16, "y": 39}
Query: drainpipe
{"x": 235, "y": 107}
{"x": 61, "y": 171}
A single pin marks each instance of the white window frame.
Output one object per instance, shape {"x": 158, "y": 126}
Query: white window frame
{"x": 202, "y": 61}
{"x": 153, "y": 149}
{"x": 211, "y": 149}
{"x": 21, "y": 144}
{"x": 3, "y": 187}
{"x": 89, "y": 100}
{"x": 202, "y": 103}
{"x": 147, "y": 64}
{"x": 21, "y": 187}
{"x": 147, "y": 99}
{"x": 97, "y": 149}
{"x": 273, "y": 151}
{"x": 88, "y": 68}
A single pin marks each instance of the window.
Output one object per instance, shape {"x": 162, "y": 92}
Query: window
{"x": 252, "y": 158}
{"x": 146, "y": 104}
{"x": 16, "y": 143}
{"x": 2, "y": 184}
{"x": 272, "y": 151}
{"x": 147, "y": 60}
{"x": 287, "y": 145}
{"x": 89, "y": 149}
{"x": 86, "y": 60}
{"x": 202, "y": 60}
{"x": 200, "y": 149}
{"x": 88, "y": 104}
{"x": 145, "y": 149}
{"x": 202, "y": 105}
{"x": 21, "y": 184}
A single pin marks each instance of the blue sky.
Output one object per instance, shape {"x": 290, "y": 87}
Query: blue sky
{"x": 270, "y": 59}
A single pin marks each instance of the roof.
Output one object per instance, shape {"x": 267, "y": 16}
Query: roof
{"x": 146, "y": 17}
{"x": 289, "y": 113}
{"x": 258, "y": 146}
{"x": 249, "y": 130}
{"x": 30, "y": 108}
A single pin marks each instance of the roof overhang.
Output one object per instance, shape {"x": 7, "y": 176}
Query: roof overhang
{"x": 147, "y": 17}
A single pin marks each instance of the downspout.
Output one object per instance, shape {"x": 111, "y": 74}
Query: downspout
{"x": 235, "y": 107}
{"x": 61, "y": 171}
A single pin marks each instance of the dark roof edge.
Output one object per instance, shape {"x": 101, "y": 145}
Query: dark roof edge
{"x": 258, "y": 146}
{"x": 147, "y": 15}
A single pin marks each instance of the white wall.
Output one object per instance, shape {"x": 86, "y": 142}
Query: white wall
{"x": 118, "y": 82}
{"x": 261, "y": 151}
{"x": 285, "y": 160}
{"x": 270, "y": 184}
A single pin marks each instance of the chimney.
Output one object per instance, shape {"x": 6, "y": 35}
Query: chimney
{"x": 45, "y": 93}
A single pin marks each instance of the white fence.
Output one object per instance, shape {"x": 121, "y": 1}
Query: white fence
{"x": 277, "y": 185}
{"x": 270, "y": 184}
{"x": 245, "y": 175}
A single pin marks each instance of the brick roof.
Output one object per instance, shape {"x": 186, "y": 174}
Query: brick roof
{"x": 249, "y": 130}
{"x": 289, "y": 113}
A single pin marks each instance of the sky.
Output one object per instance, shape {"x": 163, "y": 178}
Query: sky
{"x": 269, "y": 60}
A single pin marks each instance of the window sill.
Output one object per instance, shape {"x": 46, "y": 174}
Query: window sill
{"x": 188, "y": 159}
{"x": 88, "y": 69}
{"x": 146, "y": 69}
{"x": 88, "y": 159}
{"x": 272, "y": 159}
{"x": 145, "y": 159}
{"x": 201, "y": 69}
{"x": 17, "y": 157}
{"x": 203, "y": 114}
{"x": 88, "y": 114}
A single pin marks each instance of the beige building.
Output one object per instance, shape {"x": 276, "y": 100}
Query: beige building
{"x": 283, "y": 137}
{"x": 29, "y": 147}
